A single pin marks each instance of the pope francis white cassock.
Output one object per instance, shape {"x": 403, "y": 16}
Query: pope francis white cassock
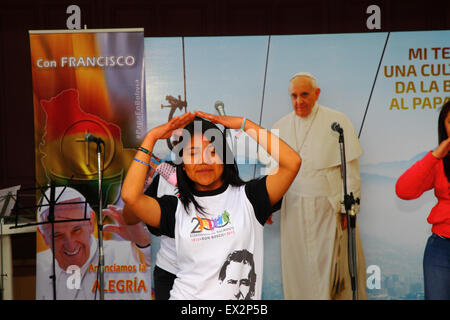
{"x": 313, "y": 236}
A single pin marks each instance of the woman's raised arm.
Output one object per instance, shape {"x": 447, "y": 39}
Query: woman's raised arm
{"x": 141, "y": 206}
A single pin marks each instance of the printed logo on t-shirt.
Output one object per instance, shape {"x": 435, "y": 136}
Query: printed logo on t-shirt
{"x": 206, "y": 229}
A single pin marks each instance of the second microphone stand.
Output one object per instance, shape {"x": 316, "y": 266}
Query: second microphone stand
{"x": 349, "y": 203}
{"x": 101, "y": 260}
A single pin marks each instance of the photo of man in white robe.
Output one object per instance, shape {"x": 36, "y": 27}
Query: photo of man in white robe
{"x": 313, "y": 230}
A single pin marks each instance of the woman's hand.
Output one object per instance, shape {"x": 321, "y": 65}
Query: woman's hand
{"x": 443, "y": 149}
{"x": 226, "y": 121}
{"x": 166, "y": 130}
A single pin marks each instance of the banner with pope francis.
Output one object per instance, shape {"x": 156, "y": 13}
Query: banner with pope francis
{"x": 89, "y": 115}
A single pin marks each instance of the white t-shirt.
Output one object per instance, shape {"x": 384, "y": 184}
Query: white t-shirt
{"x": 220, "y": 252}
{"x": 166, "y": 257}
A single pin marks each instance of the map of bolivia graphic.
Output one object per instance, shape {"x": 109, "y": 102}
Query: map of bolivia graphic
{"x": 69, "y": 160}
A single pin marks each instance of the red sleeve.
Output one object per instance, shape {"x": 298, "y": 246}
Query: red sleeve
{"x": 417, "y": 179}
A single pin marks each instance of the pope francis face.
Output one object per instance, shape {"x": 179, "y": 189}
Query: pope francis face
{"x": 72, "y": 239}
{"x": 303, "y": 95}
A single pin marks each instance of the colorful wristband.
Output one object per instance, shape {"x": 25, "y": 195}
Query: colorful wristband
{"x": 144, "y": 150}
{"x": 153, "y": 158}
{"x": 143, "y": 246}
{"x": 243, "y": 124}
{"x": 141, "y": 162}
{"x": 155, "y": 161}
{"x": 158, "y": 160}
{"x": 241, "y": 129}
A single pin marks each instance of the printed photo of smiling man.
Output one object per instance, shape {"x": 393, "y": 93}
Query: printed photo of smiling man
{"x": 127, "y": 261}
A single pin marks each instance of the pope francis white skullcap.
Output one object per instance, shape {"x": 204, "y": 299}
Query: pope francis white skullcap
{"x": 61, "y": 194}
{"x": 303, "y": 74}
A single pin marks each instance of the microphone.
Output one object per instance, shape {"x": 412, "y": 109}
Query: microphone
{"x": 91, "y": 138}
{"x": 336, "y": 127}
{"x": 220, "y": 107}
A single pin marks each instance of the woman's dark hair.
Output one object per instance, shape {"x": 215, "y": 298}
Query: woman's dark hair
{"x": 442, "y": 135}
{"x": 230, "y": 175}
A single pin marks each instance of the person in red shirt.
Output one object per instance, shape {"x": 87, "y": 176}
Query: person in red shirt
{"x": 433, "y": 171}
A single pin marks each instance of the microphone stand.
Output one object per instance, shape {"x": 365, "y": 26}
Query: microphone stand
{"x": 220, "y": 110}
{"x": 230, "y": 137}
{"x": 349, "y": 202}
{"x": 101, "y": 264}
{"x": 51, "y": 219}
